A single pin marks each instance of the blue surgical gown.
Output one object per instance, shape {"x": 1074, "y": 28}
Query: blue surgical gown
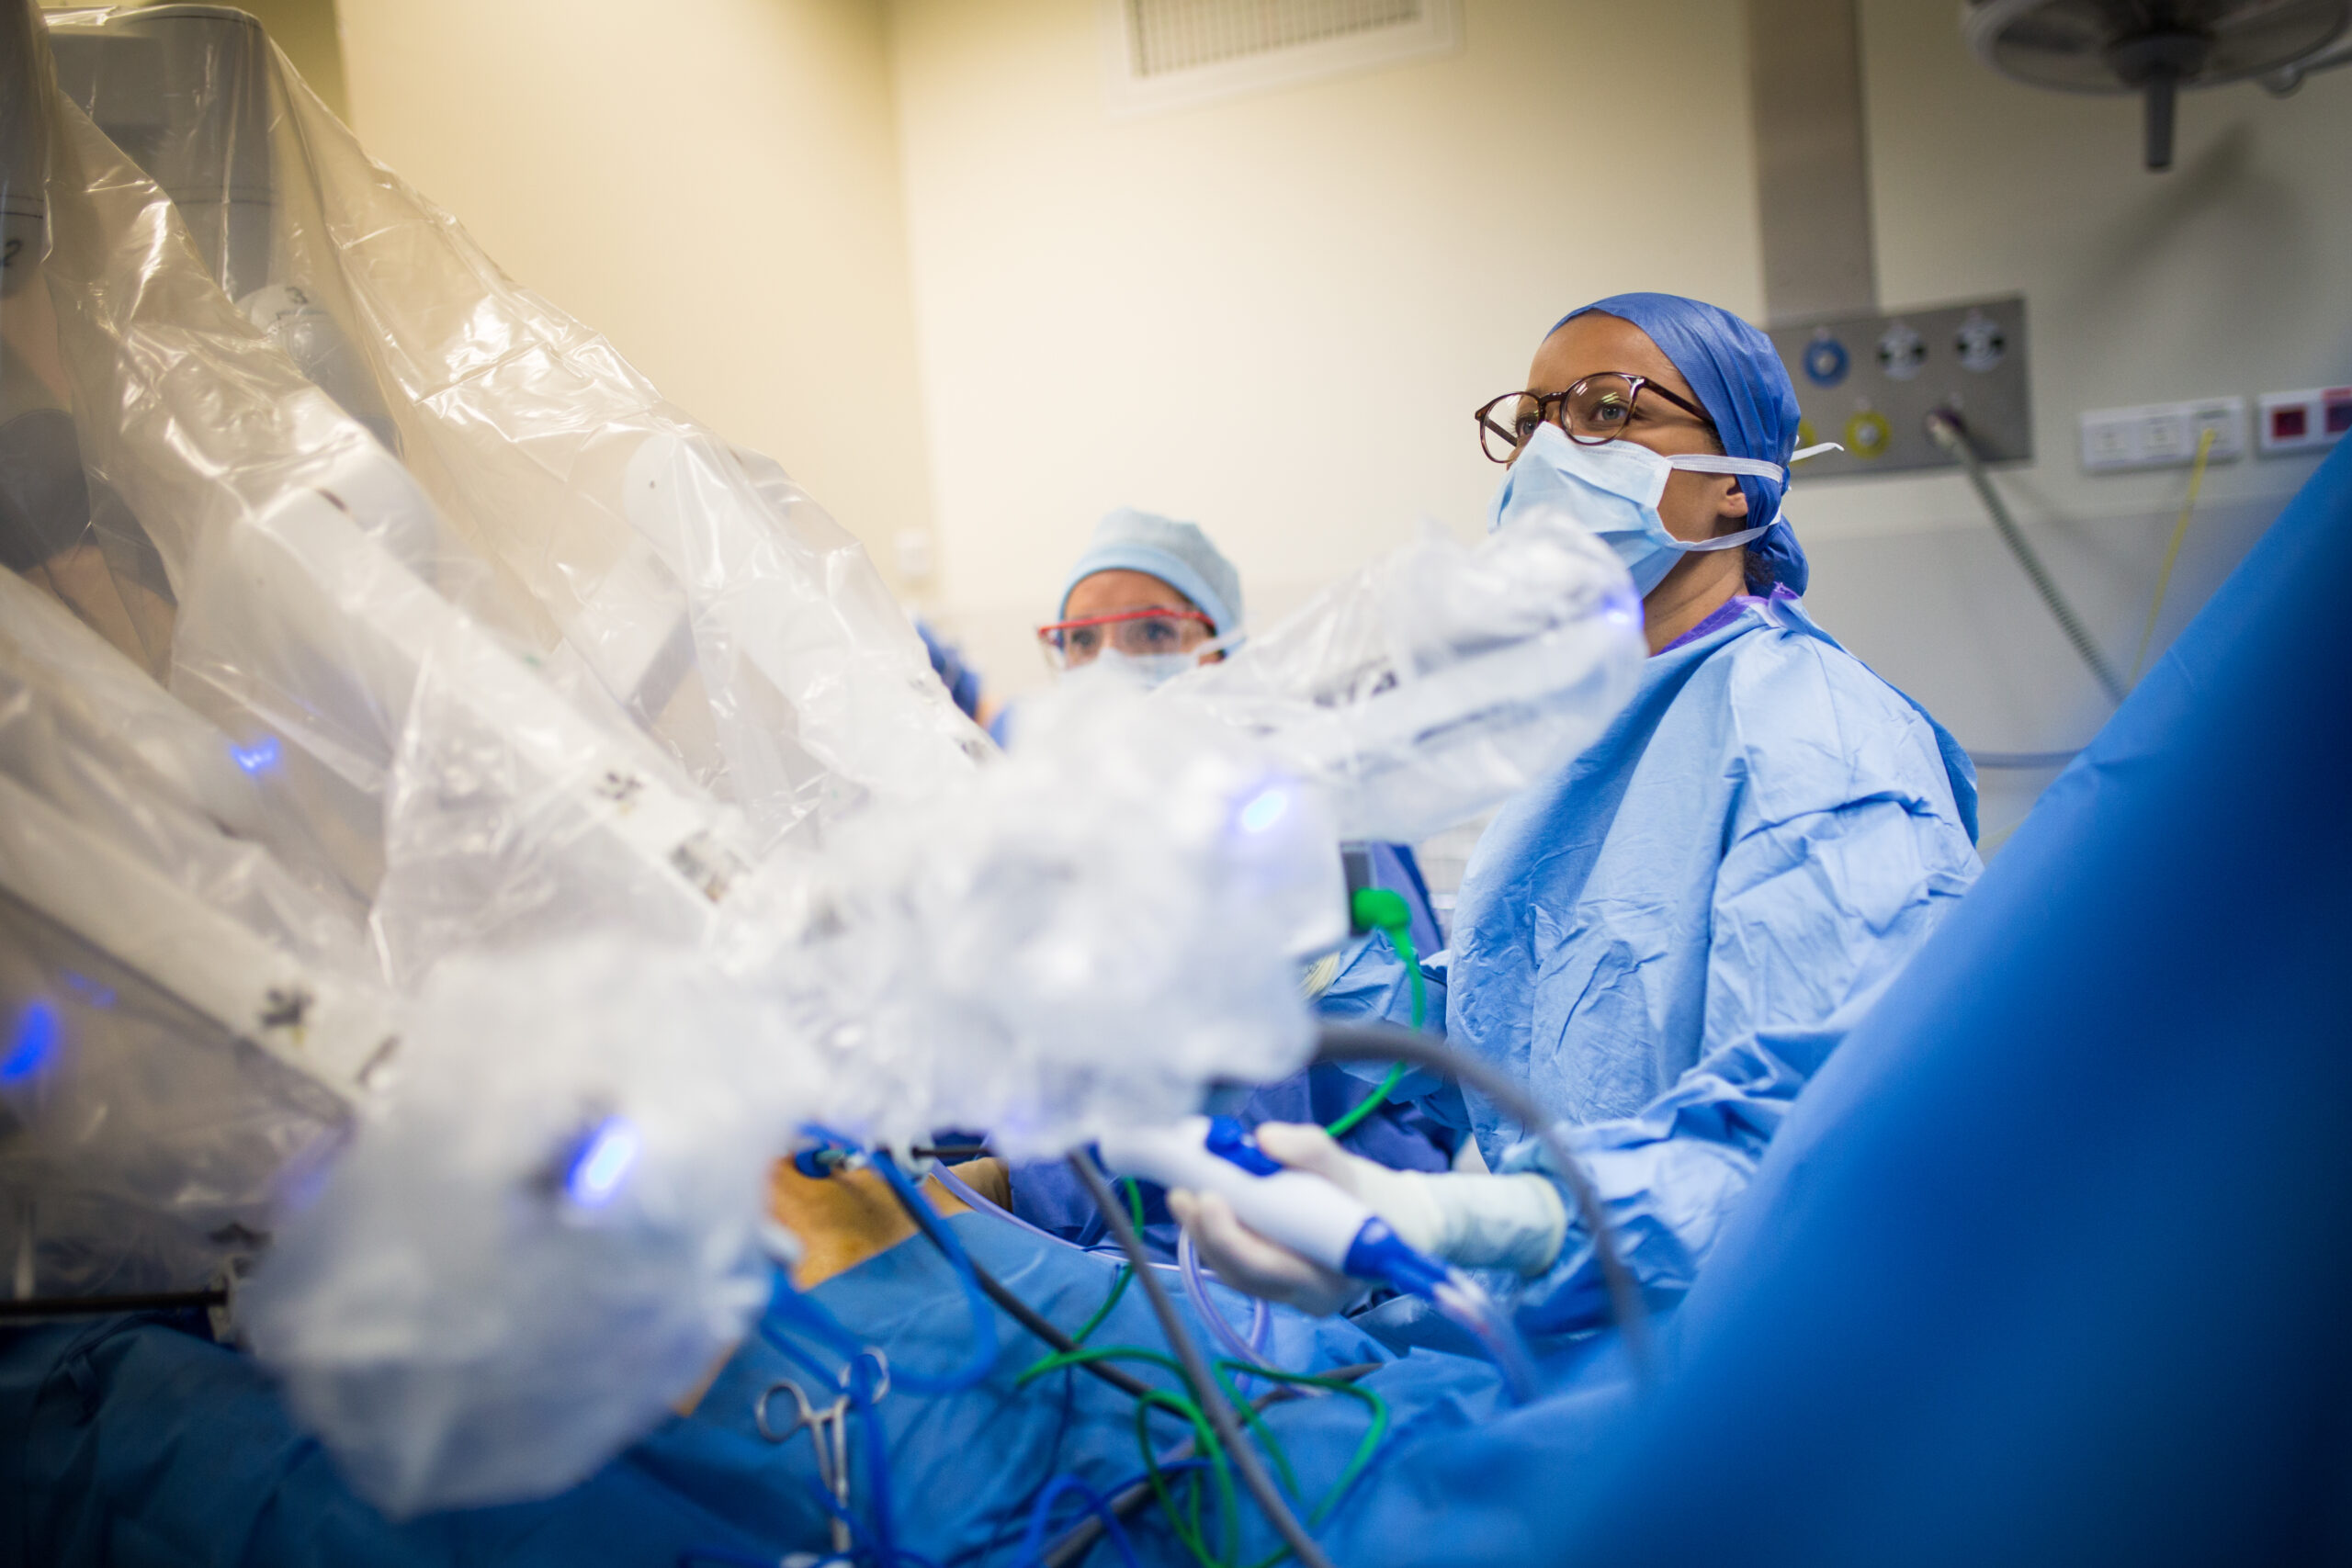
{"x": 1663, "y": 941}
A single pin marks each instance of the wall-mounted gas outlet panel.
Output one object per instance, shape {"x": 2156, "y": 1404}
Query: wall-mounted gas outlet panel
{"x": 2302, "y": 422}
{"x": 1870, "y": 382}
{"x": 2163, "y": 435}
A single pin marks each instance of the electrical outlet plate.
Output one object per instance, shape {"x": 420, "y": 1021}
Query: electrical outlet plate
{"x": 2163, "y": 435}
{"x": 2307, "y": 420}
{"x": 1870, "y": 382}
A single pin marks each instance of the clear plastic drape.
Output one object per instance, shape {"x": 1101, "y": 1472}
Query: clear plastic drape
{"x": 363, "y": 609}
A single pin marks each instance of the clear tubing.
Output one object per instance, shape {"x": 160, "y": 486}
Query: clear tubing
{"x": 1260, "y": 1321}
{"x": 1188, "y": 1264}
{"x": 988, "y": 1205}
{"x": 1477, "y": 1314}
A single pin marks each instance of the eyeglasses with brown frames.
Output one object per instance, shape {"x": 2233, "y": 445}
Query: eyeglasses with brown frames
{"x": 1595, "y": 410}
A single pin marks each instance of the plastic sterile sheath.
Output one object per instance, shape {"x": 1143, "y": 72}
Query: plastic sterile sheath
{"x": 188, "y": 1001}
{"x": 1084, "y": 936}
{"x": 1438, "y": 681}
{"x": 189, "y": 1004}
{"x": 692, "y": 585}
{"x": 311, "y": 583}
{"x": 212, "y": 514}
{"x": 530, "y": 1250}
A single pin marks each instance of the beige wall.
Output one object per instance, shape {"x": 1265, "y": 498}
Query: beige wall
{"x": 308, "y": 33}
{"x": 712, "y": 183}
{"x": 1274, "y": 314}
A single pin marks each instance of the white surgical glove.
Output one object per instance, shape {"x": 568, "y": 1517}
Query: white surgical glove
{"x": 1249, "y": 1263}
{"x": 1478, "y": 1222}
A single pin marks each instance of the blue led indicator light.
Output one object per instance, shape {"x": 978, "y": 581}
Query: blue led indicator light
{"x": 89, "y": 990}
{"x": 258, "y": 758}
{"x": 1264, "y": 809}
{"x": 603, "y": 1163}
{"x": 32, "y": 1042}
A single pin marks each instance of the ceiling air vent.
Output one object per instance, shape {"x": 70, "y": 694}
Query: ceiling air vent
{"x": 1167, "y": 54}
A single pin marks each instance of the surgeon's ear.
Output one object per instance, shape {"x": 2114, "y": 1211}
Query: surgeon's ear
{"x": 1733, "y": 504}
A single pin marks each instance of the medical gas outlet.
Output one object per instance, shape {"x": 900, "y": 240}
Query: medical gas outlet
{"x": 1869, "y": 382}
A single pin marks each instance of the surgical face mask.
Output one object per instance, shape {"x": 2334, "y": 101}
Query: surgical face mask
{"x": 1145, "y": 669}
{"x": 1614, "y": 490}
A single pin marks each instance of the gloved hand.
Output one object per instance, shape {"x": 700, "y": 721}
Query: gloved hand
{"x": 1476, "y": 1220}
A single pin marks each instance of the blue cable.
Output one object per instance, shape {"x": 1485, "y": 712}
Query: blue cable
{"x": 813, "y": 1315}
{"x": 866, "y": 1382}
{"x": 1002, "y": 1538}
{"x": 1032, "y": 1542}
{"x": 983, "y": 1311}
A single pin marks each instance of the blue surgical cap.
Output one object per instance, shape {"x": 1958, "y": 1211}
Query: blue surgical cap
{"x": 1178, "y": 554}
{"x": 1743, "y": 387}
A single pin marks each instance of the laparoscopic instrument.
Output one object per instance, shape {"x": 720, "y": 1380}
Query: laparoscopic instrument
{"x": 1386, "y": 1042}
{"x": 1314, "y": 1218}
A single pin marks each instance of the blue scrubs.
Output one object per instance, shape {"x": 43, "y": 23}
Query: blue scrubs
{"x": 1664, "y": 941}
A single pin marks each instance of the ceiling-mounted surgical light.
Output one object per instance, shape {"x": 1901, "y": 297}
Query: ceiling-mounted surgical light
{"x": 2154, "y": 47}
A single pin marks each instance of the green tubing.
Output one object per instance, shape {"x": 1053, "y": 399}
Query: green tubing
{"x": 1377, "y": 909}
{"x": 1368, "y": 1104}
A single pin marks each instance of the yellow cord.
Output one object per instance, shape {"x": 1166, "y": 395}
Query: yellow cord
{"x": 2172, "y": 551}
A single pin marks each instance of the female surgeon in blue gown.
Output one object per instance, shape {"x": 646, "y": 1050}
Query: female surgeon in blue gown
{"x": 1665, "y": 941}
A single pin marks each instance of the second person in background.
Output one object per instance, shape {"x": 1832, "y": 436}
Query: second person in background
{"x": 1150, "y": 598}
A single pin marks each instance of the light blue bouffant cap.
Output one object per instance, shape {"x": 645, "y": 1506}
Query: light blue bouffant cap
{"x": 1745, "y": 391}
{"x": 1178, "y": 554}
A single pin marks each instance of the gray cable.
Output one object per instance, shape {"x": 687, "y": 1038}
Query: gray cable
{"x": 1206, "y": 1391}
{"x": 1020, "y": 1312}
{"x": 1386, "y": 1042}
{"x": 1948, "y": 433}
{"x": 91, "y": 1306}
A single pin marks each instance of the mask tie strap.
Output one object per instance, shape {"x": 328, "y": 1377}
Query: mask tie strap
{"x": 1728, "y": 540}
{"x": 1716, "y": 463}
